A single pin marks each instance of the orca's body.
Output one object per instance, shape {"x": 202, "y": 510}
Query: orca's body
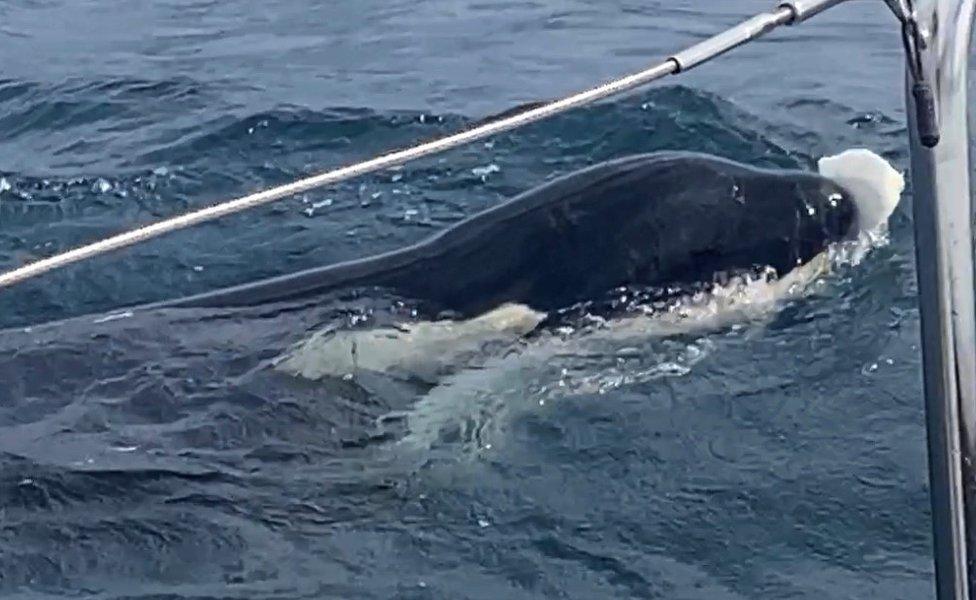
{"x": 661, "y": 220}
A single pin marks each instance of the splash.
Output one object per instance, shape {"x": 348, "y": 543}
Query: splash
{"x": 486, "y": 369}
{"x": 473, "y": 407}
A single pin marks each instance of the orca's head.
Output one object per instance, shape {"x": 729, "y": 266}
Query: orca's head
{"x": 872, "y": 184}
{"x": 795, "y": 215}
{"x": 772, "y": 217}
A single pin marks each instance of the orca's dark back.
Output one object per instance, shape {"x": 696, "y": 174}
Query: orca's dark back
{"x": 650, "y": 220}
{"x": 730, "y": 217}
{"x": 647, "y": 220}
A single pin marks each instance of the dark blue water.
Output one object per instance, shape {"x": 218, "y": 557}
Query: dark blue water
{"x": 160, "y": 457}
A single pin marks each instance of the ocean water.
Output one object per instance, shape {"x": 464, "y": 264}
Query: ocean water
{"x": 160, "y": 456}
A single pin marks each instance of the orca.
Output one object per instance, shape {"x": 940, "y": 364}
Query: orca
{"x": 660, "y": 220}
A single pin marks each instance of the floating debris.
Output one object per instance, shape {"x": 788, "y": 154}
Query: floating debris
{"x": 102, "y": 185}
{"x": 485, "y": 171}
{"x": 114, "y": 317}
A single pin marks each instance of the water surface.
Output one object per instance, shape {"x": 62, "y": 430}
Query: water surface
{"x": 158, "y": 457}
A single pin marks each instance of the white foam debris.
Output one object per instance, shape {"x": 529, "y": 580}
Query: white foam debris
{"x": 102, "y": 185}
{"x": 486, "y": 170}
{"x": 114, "y": 317}
{"x": 875, "y": 185}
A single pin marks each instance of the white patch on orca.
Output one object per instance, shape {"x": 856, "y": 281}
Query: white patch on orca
{"x": 424, "y": 350}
